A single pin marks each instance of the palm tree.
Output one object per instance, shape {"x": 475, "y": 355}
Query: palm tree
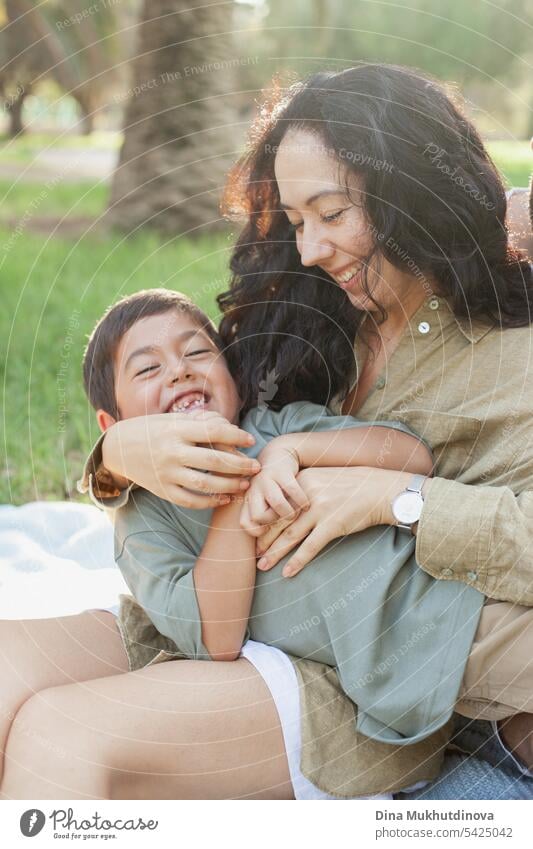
{"x": 180, "y": 125}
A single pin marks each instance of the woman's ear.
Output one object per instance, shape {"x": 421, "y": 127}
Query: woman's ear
{"x": 104, "y": 420}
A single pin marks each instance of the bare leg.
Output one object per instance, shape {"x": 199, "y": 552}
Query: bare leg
{"x": 36, "y": 654}
{"x": 177, "y": 730}
{"x": 517, "y": 734}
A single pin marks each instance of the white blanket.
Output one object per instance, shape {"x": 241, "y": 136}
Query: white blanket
{"x": 56, "y": 559}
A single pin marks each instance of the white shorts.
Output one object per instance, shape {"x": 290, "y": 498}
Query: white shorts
{"x": 278, "y": 673}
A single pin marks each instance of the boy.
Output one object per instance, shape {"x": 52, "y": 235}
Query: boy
{"x": 363, "y": 606}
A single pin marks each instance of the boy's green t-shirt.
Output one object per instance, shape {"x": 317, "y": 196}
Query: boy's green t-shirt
{"x": 398, "y": 638}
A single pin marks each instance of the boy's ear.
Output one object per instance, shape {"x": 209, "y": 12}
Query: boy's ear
{"x": 104, "y": 419}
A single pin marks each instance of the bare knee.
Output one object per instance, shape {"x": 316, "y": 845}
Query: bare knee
{"x": 50, "y": 746}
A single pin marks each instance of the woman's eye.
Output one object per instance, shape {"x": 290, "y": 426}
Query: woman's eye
{"x": 199, "y": 351}
{"x": 332, "y": 216}
{"x": 146, "y": 370}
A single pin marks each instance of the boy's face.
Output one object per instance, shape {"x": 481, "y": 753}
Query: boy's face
{"x": 167, "y": 363}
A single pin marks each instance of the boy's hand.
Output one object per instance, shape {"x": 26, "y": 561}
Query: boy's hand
{"x": 274, "y": 492}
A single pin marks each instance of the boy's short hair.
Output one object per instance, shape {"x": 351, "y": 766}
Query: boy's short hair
{"x": 99, "y": 355}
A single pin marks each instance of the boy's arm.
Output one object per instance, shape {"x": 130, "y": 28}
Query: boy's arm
{"x": 202, "y": 600}
{"x": 224, "y": 578}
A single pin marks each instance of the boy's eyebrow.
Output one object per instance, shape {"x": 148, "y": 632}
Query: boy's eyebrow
{"x": 151, "y": 349}
{"x": 318, "y": 195}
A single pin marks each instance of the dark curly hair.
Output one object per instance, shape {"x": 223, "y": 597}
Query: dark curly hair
{"x": 439, "y": 207}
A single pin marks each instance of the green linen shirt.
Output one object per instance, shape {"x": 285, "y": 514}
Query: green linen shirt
{"x": 363, "y": 606}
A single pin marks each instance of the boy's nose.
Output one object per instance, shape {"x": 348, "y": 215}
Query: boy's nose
{"x": 180, "y": 369}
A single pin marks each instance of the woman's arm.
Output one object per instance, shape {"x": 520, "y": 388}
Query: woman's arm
{"x": 190, "y": 460}
{"x": 374, "y": 445}
{"x": 485, "y": 538}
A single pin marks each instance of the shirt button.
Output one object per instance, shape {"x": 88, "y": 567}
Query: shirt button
{"x": 472, "y": 576}
{"x": 447, "y": 573}
{"x": 424, "y": 327}
{"x": 380, "y": 383}
{"x": 434, "y": 304}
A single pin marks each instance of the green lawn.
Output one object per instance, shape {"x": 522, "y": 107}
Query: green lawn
{"x": 21, "y": 200}
{"x": 53, "y": 291}
{"x": 514, "y": 159}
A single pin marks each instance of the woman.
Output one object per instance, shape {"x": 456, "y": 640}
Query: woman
{"x": 372, "y": 207}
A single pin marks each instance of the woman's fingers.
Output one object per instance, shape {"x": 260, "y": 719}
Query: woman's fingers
{"x": 206, "y": 484}
{"x": 307, "y": 551}
{"x": 210, "y": 429}
{"x": 222, "y": 462}
{"x": 287, "y": 540}
{"x": 194, "y": 501}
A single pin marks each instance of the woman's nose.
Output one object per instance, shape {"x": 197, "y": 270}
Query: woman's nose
{"x": 313, "y": 249}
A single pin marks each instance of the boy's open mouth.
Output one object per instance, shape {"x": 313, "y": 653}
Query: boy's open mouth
{"x": 188, "y": 401}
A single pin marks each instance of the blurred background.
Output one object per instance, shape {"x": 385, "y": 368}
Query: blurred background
{"x": 118, "y": 121}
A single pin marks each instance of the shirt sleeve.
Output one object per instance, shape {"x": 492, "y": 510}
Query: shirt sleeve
{"x": 480, "y": 535}
{"x": 157, "y": 559}
{"x": 98, "y": 481}
{"x": 304, "y": 417}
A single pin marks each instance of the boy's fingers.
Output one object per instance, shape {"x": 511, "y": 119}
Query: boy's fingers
{"x": 275, "y": 498}
{"x": 296, "y": 493}
{"x": 257, "y": 506}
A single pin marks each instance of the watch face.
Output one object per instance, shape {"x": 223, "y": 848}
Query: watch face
{"x": 407, "y": 507}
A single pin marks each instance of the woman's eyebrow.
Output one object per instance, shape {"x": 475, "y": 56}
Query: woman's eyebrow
{"x": 316, "y": 196}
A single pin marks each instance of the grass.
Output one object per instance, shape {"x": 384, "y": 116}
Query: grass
{"x": 514, "y": 159}
{"x": 55, "y": 289}
{"x": 20, "y": 201}
{"x": 24, "y": 148}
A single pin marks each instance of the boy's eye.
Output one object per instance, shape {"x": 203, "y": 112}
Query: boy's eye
{"x": 146, "y": 370}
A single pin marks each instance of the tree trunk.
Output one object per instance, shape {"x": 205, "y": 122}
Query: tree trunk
{"x": 180, "y": 133}
{"x": 14, "y": 108}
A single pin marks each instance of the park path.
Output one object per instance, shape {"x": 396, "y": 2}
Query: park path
{"x": 69, "y": 164}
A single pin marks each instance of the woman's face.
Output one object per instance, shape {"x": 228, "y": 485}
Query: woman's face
{"x": 331, "y": 229}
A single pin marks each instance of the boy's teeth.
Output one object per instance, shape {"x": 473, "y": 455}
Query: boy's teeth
{"x": 190, "y": 402}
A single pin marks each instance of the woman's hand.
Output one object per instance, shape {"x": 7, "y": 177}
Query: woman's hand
{"x": 343, "y": 501}
{"x": 172, "y": 455}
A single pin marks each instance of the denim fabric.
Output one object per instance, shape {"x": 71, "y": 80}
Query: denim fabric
{"x": 477, "y": 766}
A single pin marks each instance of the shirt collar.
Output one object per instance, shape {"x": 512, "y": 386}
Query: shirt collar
{"x": 473, "y": 330}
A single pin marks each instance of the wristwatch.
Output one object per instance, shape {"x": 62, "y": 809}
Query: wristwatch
{"x": 407, "y": 506}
